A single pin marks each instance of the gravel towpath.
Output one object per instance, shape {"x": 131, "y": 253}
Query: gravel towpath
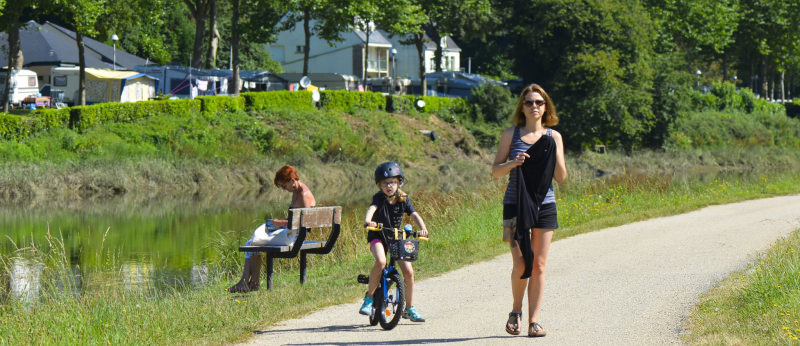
{"x": 629, "y": 285}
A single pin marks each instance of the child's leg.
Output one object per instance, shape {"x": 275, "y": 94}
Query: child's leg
{"x": 408, "y": 278}
{"x": 380, "y": 261}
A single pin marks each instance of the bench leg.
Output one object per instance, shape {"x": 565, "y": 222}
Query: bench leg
{"x": 302, "y": 267}
{"x": 269, "y": 272}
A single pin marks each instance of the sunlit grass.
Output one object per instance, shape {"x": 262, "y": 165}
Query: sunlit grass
{"x": 756, "y": 306}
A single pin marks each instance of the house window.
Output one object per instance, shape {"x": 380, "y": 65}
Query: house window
{"x": 60, "y": 81}
{"x": 299, "y": 49}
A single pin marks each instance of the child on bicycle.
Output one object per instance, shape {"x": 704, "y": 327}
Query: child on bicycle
{"x": 387, "y": 208}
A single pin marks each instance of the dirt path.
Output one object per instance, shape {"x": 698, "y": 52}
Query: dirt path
{"x": 633, "y": 284}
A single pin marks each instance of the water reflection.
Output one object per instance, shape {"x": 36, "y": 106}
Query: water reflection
{"x": 25, "y": 282}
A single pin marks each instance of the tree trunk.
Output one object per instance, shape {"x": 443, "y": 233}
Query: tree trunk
{"x": 82, "y": 69}
{"x": 198, "y": 10}
{"x": 724, "y": 67}
{"x": 213, "y": 35}
{"x": 366, "y": 53}
{"x": 764, "y": 80}
{"x": 783, "y": 86}
{"x": 419, "y": 41}
{"x": 235, "y": 49}
{"x": 13, "y": 61}
{"x": 307, "y": 41}
{"x": 437, "y": 54}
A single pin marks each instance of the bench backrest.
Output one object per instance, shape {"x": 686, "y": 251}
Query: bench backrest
{"x": 316, "y": 217}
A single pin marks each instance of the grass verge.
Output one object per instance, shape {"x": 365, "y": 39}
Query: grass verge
{"x": 759, "y": 305}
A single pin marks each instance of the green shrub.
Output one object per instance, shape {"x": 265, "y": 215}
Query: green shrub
{"x": 84, "y": 117}
{"x": 263, "y": 100}
{"x": 491, "y": 103}
{"x": 14, "y": 127}
{"x": 714, "y": 129}
{"x": 727, "y": 96}
{"x": 350, "y": 102}
{"x": 51, "y": 118}
{"x": 210, "y": 105}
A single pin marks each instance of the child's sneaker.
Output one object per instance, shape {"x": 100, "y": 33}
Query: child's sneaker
{"x": 366, "y": 308}
{"x": 411, "y": 314}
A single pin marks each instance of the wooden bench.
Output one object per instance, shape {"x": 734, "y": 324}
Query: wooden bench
{"x": 304, "y": 220}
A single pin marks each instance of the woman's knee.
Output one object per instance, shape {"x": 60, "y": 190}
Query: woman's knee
{"x": 539, "y": 266}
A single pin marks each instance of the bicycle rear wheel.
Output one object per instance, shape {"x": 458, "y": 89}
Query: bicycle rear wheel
{"x": 393, "y": 304}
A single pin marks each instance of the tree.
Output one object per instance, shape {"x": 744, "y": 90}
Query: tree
{"x": 330, "y": 18}
{"x": 10, "y": 22}
{"x": 701, "y": 28}
{"x": 445, "y": 18}
{"x": 154, "y": 29}
{"x": 199, "y": 10}
{"x": 398, "y": 17}
{"x": 768, "y": 39}
{"x": 80, "y": 16}
{"x": 256, "y": 23}
{"x": 595, "y": 58}
{"x": 213, "y": 35}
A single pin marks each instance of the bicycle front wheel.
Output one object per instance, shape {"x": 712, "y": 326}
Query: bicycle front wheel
{"x": 391, "y": 305}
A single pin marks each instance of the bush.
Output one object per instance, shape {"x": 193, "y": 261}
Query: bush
{"x": 714, "y": 129}
{"x": 727, "y": 96}
{"x": 211, "y": 105}
{"x": 349, "y": 102}
{"x": 261, "y": 100}
{"x": 491, "y": 103}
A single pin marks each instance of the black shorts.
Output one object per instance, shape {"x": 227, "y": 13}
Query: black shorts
{"x": 548, "y": 216}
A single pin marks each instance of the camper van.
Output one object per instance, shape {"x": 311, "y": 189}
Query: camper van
{"x": 24, "y": 83}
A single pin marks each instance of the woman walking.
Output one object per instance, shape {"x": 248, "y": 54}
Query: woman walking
{"x": 532, "y": 154}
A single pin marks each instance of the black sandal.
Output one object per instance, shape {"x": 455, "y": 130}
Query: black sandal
{"x": 536, "y": 330}
{"x": 516, "y": 330}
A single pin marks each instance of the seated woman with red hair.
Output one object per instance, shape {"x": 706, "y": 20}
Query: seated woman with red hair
{"x": 285, "y": 178}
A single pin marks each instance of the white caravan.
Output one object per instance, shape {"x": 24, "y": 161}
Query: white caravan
{"x": 24, "y": 83}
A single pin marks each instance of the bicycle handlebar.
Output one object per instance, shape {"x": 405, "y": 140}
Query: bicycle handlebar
{"x": 395, "y": 231}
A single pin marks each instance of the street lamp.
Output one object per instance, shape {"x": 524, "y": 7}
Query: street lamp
{"x": 115, "y": 38}
{"x": 698, "y": 73}
{"x": 394, "y": 69}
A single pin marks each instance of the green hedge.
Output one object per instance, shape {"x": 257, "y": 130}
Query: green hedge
{"x": 16, "y": 127}
{"x": 263, "y": 100}
{"x": 349, "y": 102}
{"x": 210, "y": 105}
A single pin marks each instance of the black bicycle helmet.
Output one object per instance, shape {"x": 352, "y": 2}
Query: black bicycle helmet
{"x": 389, "y": 169}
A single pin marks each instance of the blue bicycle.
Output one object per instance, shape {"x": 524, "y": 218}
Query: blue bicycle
{"x": 389, "y": 298}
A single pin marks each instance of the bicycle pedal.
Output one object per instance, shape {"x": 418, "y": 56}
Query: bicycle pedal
{"x": 364, "y": 279}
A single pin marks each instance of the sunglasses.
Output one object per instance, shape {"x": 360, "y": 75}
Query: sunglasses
{"x": 530, "y": 103}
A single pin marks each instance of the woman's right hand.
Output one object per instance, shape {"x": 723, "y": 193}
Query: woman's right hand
{"x": 519, "y": 159}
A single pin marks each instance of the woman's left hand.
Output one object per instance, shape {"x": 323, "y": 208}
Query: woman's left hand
{"x": 423, "y": 233}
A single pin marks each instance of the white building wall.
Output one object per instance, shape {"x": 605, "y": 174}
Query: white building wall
{"x": 408, "y": 61}
{"x": 322, "y": 57}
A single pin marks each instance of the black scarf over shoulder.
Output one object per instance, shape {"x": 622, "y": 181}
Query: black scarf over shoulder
{"x": 534, "y": 178}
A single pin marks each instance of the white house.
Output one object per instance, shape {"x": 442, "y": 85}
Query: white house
{"x": 408, "y": 61}
{"x": 345, "y": 57}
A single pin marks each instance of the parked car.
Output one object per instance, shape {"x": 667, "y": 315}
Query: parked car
{"x": 450, "y": 83}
